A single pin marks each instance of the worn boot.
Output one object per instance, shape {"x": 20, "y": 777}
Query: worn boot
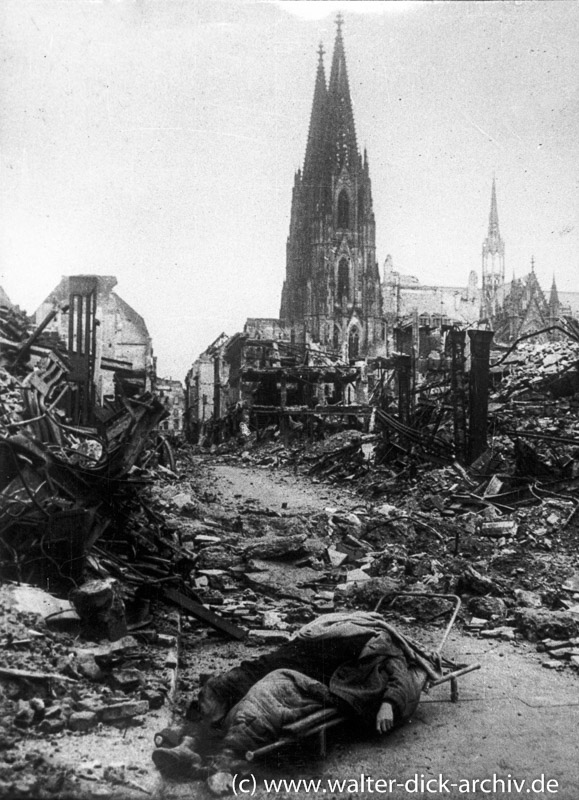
{"x": 179, "y": 761}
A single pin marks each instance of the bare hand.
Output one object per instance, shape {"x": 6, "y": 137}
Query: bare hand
{"x": 385, "y": 718}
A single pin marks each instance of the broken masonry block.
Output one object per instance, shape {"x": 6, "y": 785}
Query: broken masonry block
{"x": 82, "y": 721}
{"x": 538, "y": 624}
{"x": 118, "y": 711}
{"x": 127, "y": 680}
{"x": 101, "y": 608}
{"x": 51, "y": 726}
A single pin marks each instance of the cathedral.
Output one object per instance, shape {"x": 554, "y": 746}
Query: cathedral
{"x": 332, "y": 293}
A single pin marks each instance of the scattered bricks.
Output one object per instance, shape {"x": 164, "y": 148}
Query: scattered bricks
{"x": 552, "y": 664}
{"x": 556, "y": 644}
{"x": 538, "y": 624}
{"x": 51, "y": 726}
{"x": 118, "y": 711}
{"x": 104, "y": 654}
{"x": 575, "y": 661}
{"x": 269, "y": 637}
{"x": 82, "y": 721}
{"x": 566, "y": 654}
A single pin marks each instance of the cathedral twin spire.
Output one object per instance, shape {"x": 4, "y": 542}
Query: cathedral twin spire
{"x": 332, "y": 135}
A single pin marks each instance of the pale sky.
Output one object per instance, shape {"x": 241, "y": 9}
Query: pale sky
{"x": 157, "y": 140}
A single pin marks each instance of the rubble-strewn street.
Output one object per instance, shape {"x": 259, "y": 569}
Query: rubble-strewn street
{"x": 129, "y": 582}
{"x": 270, "y": 550}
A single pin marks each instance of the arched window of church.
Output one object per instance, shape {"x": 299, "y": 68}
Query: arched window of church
{"x": 343, "y": 279}
{"x": 361, "y": 207}
{"x": 336, "y": 339}
{"x": 353, "y": 343}
{"x": 343, "y": 209}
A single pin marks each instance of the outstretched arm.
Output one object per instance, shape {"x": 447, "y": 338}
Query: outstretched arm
{"x": 385, "y": 718}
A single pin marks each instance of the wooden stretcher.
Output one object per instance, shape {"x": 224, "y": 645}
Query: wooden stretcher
{"x": 316, "y": 725}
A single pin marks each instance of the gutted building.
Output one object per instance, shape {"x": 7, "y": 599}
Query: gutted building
{"x": 108, "y": 344}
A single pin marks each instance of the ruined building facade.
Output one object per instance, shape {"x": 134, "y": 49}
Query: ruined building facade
{"x": 332, "y": 291}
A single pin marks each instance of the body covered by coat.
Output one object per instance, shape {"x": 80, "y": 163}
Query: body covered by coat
{"x": 352, "y": 661}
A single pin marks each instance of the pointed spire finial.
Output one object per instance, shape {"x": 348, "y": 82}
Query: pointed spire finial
{"x": 339, "y": 23}
{"x": 532, "y": 263}
{"x": 321, "y": 51}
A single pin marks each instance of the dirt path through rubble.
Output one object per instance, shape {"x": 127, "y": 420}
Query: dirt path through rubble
{"x": 278, "y": 491}
{"x": 514, "y": 721}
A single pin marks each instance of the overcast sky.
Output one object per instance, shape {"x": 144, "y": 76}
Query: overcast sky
{"x": 157, "y": 140}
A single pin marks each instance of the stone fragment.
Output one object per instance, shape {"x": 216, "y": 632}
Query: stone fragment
{"x": 499, "y": 528}
{"x": 220, "y": 783}
{"x": 269, "y": 637}
{"x": 538, "y": 624}
{"x": 357, "y": 575}
{"x": 336, "y": 558}
{"x": 101, "y": 609}
{"x": 132, "y": 708}
{"x": 51, "y": 725}
{"x": 155, "y": 699}
{"x": 272, "y": 621}
{"x": 24, "y": 715}
{"x": 88, "y": 668}
{"x": 275, "y": 547}
{"x": 504, "y": 633}
{"x": 487, "y": 607}
{"x": 527, "y": 599}
{"x": 82, "y": 720}
{"x": 127, "y": 680}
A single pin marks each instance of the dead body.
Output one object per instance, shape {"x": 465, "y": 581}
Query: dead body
{"x": 354, "y": 662}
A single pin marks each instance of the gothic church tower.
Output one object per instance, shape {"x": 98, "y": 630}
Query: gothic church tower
{"x": 332, "y": 292}
{"x": 493, "y": 263}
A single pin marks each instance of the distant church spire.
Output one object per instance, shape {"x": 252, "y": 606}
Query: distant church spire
{"x": 554, "y": 296}
{"x": 315, "y": 145}
{"x": 493, "y": 262}
{"x": 342, "y": 146}
{"x": 494, "y": 214}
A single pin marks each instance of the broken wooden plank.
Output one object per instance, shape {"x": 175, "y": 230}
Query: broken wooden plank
{"x": 34, "y": 676}
{"x": 203, "y": 614}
